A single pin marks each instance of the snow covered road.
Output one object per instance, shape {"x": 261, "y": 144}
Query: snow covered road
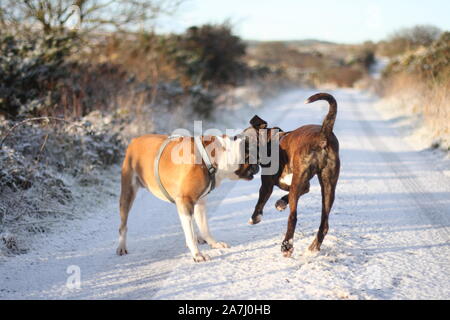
{"x": 389, "y": 230}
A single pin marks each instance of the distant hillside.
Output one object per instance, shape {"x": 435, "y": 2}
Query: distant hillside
{"x": 311, "y": 42}
{"x": 298, "y": 43}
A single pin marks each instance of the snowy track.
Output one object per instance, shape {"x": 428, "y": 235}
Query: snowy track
{"x": 389, "y": 231}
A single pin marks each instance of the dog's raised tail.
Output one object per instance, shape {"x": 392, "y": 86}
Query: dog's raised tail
{"x": 328, "y": 122}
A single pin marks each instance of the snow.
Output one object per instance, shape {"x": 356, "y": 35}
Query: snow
{"x": 388, "y": 238}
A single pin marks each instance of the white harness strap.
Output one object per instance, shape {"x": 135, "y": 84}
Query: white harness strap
{"x": 211, "y": 169}
{"x": 156, "y": 167}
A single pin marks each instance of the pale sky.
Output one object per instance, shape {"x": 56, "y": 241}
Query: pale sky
{"x": 347, "y": 21}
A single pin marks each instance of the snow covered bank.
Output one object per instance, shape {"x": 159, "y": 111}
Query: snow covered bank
{"x": 44, "y": 166}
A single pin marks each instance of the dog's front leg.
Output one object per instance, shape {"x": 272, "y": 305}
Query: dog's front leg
{"x": 264, "y": 194}
{"x": 202, "y": 224}
{"x": 282, "y": 203}
{"x": 185, "y": 211}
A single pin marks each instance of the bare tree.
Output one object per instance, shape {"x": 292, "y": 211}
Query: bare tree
{"x": 55, "y": 15}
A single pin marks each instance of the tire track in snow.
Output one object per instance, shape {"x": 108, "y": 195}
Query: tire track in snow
{"x": 430, "y": 208}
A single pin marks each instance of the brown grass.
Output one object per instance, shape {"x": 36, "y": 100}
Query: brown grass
{"x": 428, "y": 99}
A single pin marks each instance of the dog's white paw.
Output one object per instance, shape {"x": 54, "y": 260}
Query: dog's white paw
{"x": 121, "y": 250}
{"x": 281, "y": 205}
{"x": 287, "y": 248}
{"x": 219, "y": 245}
{"x": 255, "y": 220}
{"x": 200, "y": 257}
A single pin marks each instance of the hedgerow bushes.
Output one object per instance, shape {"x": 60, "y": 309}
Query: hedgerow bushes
{"x": 431, "y": 63}
{"x": 418, "y": 82}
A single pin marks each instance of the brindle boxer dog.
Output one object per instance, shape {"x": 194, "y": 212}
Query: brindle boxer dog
{"x": 185, "y": 182}
{"x": 307, "y": 151}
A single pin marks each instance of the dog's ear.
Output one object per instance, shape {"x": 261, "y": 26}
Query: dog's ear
{"x": 258, "y": 123}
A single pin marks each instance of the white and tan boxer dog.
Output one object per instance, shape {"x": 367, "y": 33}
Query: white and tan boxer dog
{"x": 185, "y": 182}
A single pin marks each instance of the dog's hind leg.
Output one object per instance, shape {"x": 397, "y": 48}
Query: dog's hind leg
{"x": 264, "y": 194}
{"x": 282, "y": 203}
{"x": 300, "y": 183}
{"x": 328, "y": 180}
{"x": 129, "y": 187}
{"x": 202, "y": 224}
{"x": 185, "y": 209}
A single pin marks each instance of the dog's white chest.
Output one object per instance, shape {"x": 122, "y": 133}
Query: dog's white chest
{"x": 287, "y": 179}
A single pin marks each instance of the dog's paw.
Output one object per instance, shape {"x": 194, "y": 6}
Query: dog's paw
{"x": 287, "y": 248}
{"x": 121, "y": 251}
{"x": 199, "y": 257}
{"x": 314, "y": 247}
{"x": 281, "y": 205}
{"x": 219, "y": 245}
{"x": 255, "y": 220}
